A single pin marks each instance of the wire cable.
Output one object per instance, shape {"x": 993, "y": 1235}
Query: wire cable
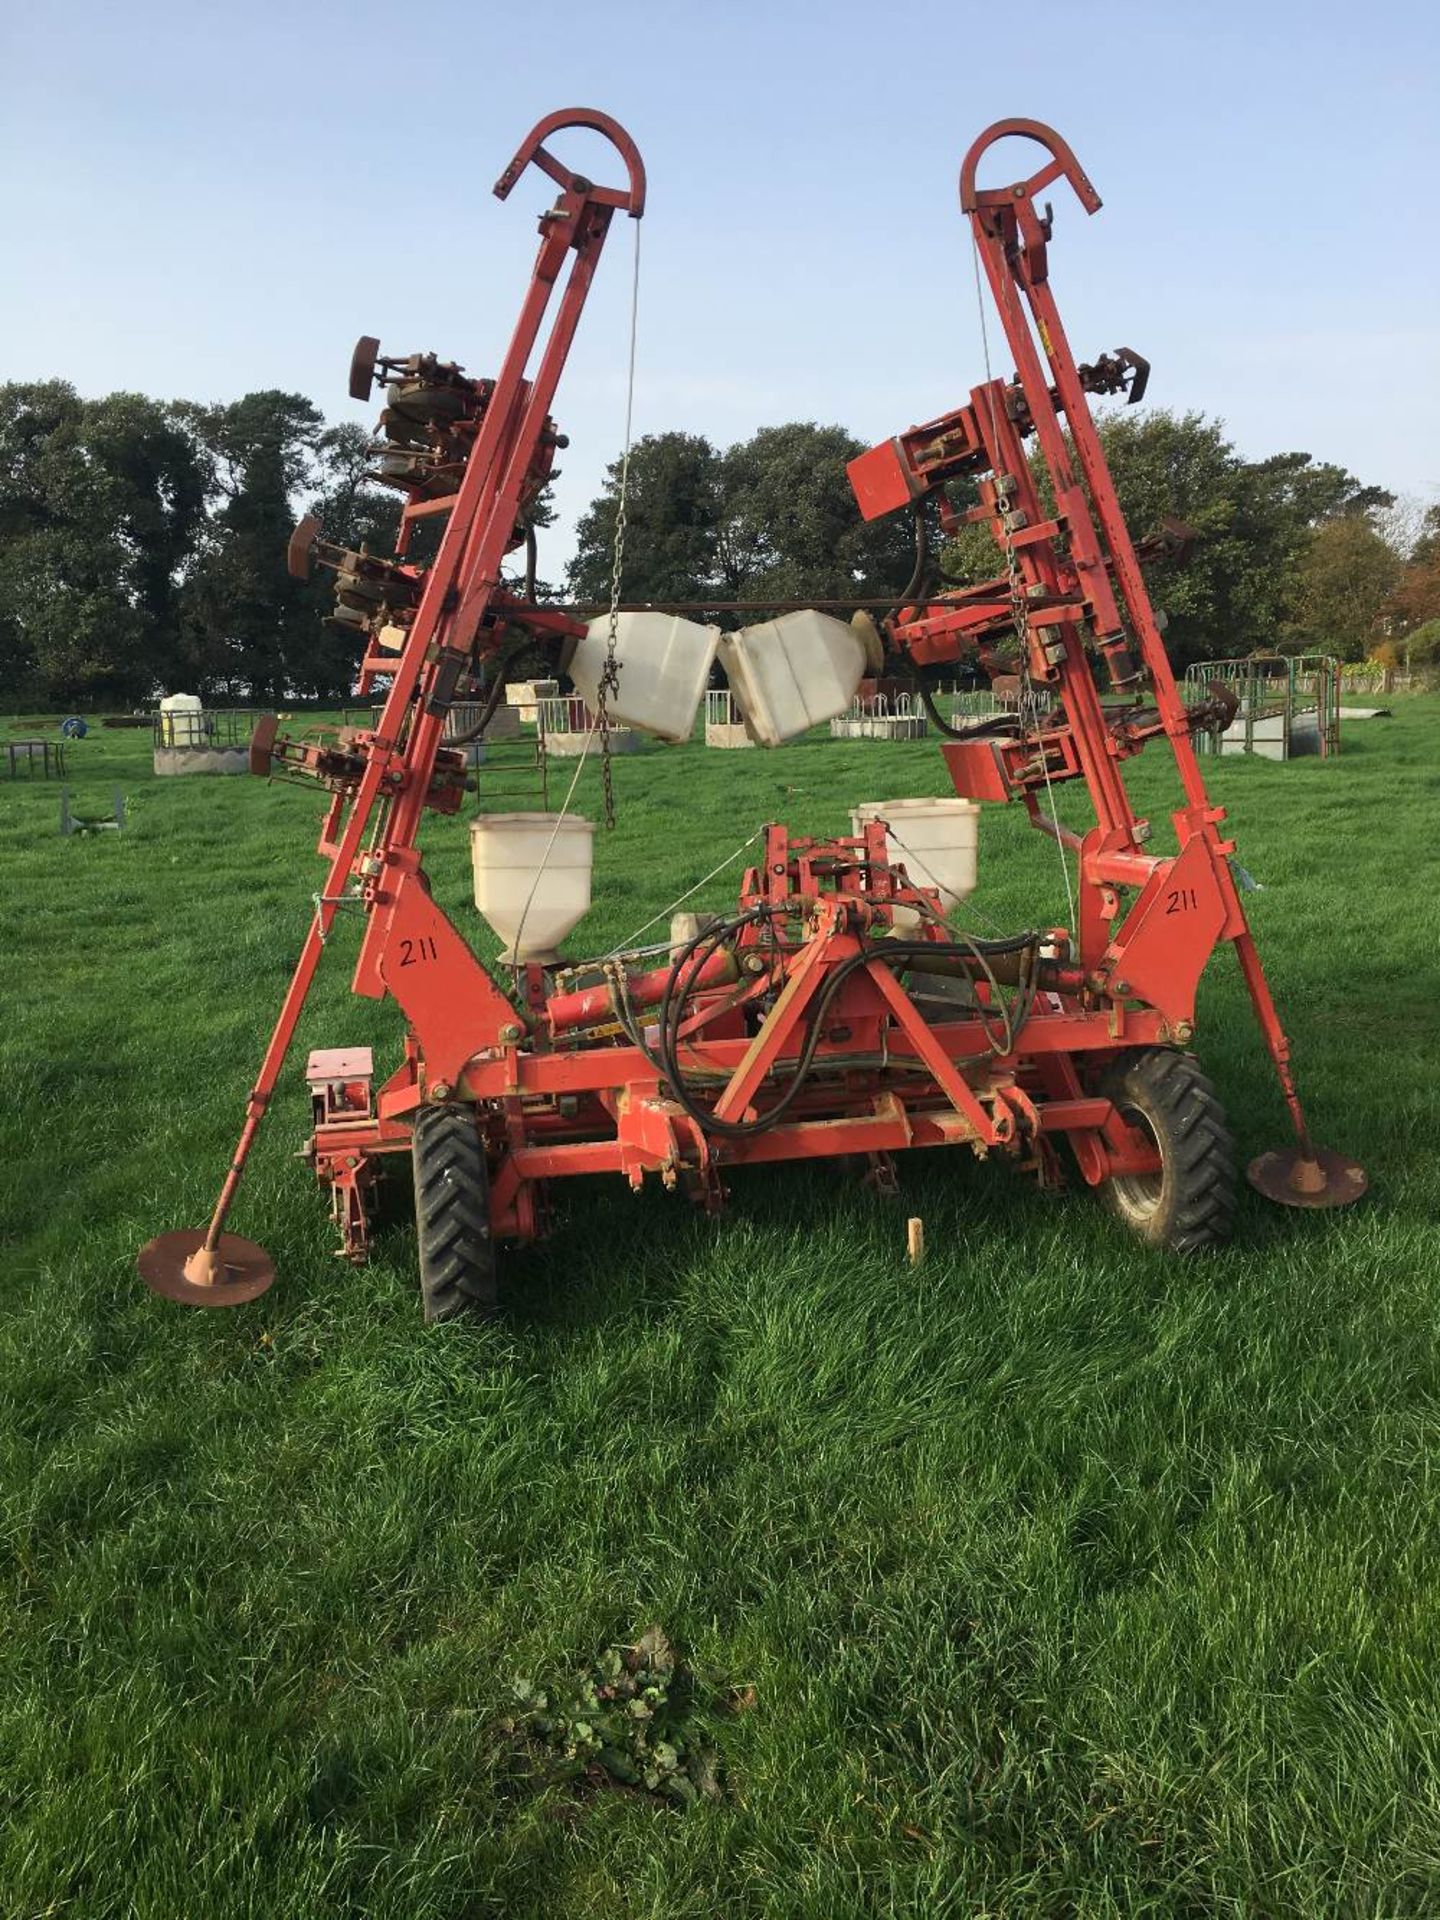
{"x": 601, "y": 720}
{"x": 560, "y": 819}
{"x": 628, "y": 946}
{"x": 609, "y": 681}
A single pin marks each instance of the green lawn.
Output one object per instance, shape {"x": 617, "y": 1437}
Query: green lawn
{"x": 1070, "y": 1580}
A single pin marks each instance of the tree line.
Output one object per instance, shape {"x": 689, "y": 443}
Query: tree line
{"x": 1290, "y": 552}
{"x": 143, "y": 546}
{"x": 143, "y": 542}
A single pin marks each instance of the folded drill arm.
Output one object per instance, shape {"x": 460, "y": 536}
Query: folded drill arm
{"x": 1073, "y": 587}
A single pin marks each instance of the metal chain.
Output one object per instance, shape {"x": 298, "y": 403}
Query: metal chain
{"x": 608, "y": 684}
{"x": 1019, "y": 606}
{"x": 1019, "y": 610}
{"x": 1029, "y": 698}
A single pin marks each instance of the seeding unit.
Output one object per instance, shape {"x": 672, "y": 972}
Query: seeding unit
{"x": 836, "y": 1012}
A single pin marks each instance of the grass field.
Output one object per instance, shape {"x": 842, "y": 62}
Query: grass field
{"x": 1069, "y": 1580}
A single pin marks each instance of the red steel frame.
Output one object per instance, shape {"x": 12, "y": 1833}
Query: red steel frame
{"x": 560, "y": 1082}
{"x": 1139, "y": 956}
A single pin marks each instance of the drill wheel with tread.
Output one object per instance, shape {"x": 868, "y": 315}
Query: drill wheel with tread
{"x": 1189, "y": 1205}
{"x": 452, "y": 1214}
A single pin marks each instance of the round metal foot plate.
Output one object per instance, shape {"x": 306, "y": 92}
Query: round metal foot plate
{"x": 1296, "y": 1179}
{"x": 245, "y": 1270}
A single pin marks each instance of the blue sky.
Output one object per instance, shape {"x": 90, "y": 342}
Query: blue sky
{"x": 205, "y": 199}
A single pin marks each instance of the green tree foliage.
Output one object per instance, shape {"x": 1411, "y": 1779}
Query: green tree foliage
{"x": 772, "y": 517}
{"x": 1306, "y": 492}
{"x": 1426, "y": 551}
{"x": 790, "y": 527}
{"x": 352, "y": 509}
{"x": 1255, "y": 520}
{"x": 1416, "y": 600}
{"x": 142, "y": 546}
{"x": 1422, "y": 647}
{"x": 354, "y": 512}
{"x": 1343, "y": 578}
{"x": 250, "y": 626}
{"x": 672, "y": 511}
{"x": 1225, "y": 597}
{"x": 100, "y": 503}
{"x": 1234, "y": 593}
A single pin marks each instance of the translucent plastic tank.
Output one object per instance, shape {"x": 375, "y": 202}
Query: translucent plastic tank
{"x": 532, "y": 879}
{"x": 936, "y": 841}
{"x": 664, "y": 665}
{"x": 793, "y": 673}
{"x": 182, "y": 720}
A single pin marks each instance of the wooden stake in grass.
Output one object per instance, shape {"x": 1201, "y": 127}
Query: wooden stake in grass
{"x": 915, "y": 1239}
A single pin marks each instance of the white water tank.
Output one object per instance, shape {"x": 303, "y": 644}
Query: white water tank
{"x": 936, "y": 841}
{"x": 664, "y": 668}
{"x": 532, "y": 878}
{"x": 182, "y": 721}
{"x": 793, "y": 673}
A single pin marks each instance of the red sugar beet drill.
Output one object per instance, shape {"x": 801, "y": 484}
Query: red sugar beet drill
{"x": 836, "y": 1011}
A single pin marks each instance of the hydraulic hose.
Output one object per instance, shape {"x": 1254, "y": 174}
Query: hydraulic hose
{"x": 507, "y": 659}
{"x": 941, "y": 724}
{"x": 1001, "y": 1042}
{"x": 496, "y": 695}
{"x": 911, "y": 592}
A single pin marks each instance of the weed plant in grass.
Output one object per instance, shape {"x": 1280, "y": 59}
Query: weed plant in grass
{"x": 1069, "y": 1579}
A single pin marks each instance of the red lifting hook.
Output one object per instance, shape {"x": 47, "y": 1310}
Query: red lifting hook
{"x": 532, "y": 148}
{"x": 1062, "y": 164}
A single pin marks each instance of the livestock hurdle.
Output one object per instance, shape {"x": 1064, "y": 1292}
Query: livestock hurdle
{"x": 1289, "y": 705}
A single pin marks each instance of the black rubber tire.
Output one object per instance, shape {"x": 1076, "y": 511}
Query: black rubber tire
{"x": 1189, "y": 1205}
{"x": 452, "y": 1214}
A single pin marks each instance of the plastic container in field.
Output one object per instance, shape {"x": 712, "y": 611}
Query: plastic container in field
{"x": 530, "y": 896}
{"x": 182, "y": 720}
{"x": 525, "y": 697}
{"x": 936, "y": 841}
{"x": 664, "y": 665}
{"x": 792, "y": 673}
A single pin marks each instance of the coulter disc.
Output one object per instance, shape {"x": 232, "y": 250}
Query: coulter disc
{"x": 243, "y": 1270}
{"x": 297, "y": 553}
{"x": 1297, "y": 1179}
{"x": 362, "y": 366}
